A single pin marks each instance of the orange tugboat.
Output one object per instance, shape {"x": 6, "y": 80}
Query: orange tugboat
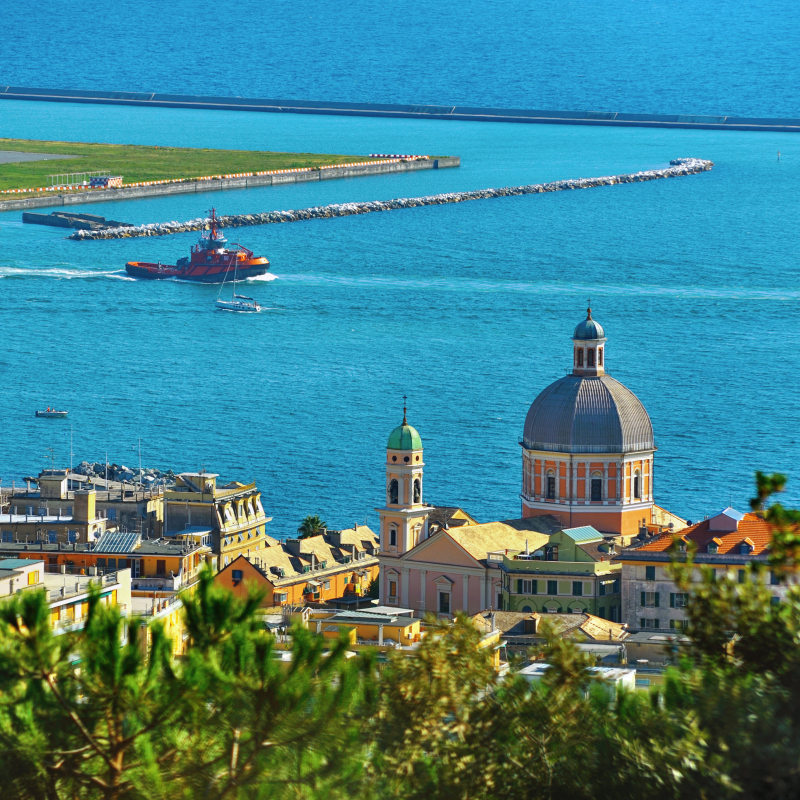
{"x": 210, "y": 261}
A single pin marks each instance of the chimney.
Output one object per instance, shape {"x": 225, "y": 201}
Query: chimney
{"x": 85, "y": 509}
{"x": 492, "y": 620}
{"x": 335, "y": 538}
{"x": 293, "y": 546}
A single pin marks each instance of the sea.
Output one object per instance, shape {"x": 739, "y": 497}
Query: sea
{"x": 465, "y": 309}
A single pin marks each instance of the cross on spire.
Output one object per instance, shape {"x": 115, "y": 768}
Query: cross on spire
{"x": 404, "y": 410}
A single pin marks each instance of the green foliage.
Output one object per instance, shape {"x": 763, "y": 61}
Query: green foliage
{"x": 98, "y": 714}
{"x": 311, "y": 525}
{"x": 374, "y": 588}
{"x": 104, "y": 713}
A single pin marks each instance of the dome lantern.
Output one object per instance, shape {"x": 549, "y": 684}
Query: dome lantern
{"x": 589, "y": 340}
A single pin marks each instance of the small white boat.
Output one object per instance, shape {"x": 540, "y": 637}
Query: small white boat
{"x": 238, "y": 302}
{"x": 52, "y": 414}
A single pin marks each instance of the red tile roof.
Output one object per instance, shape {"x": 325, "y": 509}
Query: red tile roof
{"x": 753, "y": 528}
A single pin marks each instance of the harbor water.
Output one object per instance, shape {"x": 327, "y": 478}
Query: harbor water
{"x": 467, "y": 309}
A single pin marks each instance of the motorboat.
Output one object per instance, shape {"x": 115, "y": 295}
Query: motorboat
{"x": 51, "y": 413}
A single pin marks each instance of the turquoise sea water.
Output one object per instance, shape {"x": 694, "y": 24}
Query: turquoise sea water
{"x": 466, "y": 308}
{"x": 649, "y": 56}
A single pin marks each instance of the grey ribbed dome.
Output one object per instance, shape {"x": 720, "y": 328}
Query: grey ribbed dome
{"x": 579, "y": 414}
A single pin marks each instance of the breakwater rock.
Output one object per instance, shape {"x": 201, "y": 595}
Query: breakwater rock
{"x": 678, "y": 167}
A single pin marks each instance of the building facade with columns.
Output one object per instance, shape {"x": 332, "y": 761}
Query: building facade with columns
{"x": 588, "y": 446}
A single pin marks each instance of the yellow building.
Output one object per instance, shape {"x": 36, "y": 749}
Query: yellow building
{"x": 334, "y": 566}
{"x": 68, "y": 595}
{"x": 32, "y": 518}
{"x": 231, "y": 516}
{"x": 129, "y": 507}
{"x": 368, "y": 627}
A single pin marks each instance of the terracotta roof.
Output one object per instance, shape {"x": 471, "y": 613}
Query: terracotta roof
{"x": 596, "y": 551}
{"x": 480, "y": 540}
{"x": 362, "y": 536}
{"x": 280, "y": 556}
{"x": 578, "y": 626}
{"x": 545, "y": 523}
{"x": 443, "y": 515}
{"x": 752, "y": 527}
{"x": 276, "y": 556}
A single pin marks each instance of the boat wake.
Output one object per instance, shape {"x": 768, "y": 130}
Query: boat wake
{"x": 268, "y": 277}
{"x": 60, "y": 273}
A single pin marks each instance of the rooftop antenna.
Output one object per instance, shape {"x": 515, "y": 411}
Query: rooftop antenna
{"x": 52, "y": 458}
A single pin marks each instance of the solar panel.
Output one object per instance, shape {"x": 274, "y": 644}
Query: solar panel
{"x": 117, "y": 542}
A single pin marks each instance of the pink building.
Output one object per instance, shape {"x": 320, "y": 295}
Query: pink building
{"x": 450, "y": 570}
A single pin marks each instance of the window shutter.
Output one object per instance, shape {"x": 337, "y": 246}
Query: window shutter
{"x": 672, "y": 599}
{"x": 519, "y": 586}
{"x": 643, "y": 598}
{"x": 535, "y": 587}
{"x": 657, "y": 595}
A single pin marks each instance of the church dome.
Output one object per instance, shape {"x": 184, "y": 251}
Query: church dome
{"x": 579, "y": 414}
{"x": 404, "y": 437}
{"x": 588, "y": 329}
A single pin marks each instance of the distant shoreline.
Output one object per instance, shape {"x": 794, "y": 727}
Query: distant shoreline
{"x": 461, "y": 113}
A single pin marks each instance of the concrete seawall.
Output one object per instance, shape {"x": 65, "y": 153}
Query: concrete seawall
{"x": 217, "y": 184}
{"x": 469, "y": 113}
{"x": 678, "y": 167}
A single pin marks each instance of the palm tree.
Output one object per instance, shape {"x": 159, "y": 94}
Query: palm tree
{"x": 312, "y": 525}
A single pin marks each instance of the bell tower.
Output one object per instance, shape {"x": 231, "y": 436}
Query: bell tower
{"x": 404, "y": 518}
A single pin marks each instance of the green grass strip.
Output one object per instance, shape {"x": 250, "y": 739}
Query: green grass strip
{"x": 137, "y": 163}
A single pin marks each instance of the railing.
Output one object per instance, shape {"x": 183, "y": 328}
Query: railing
{"x": 82, "y": 587}
{"x": 161, "y": 606}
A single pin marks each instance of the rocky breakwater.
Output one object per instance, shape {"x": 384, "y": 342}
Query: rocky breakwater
{"x": 123, "y": 474}
{"x": 678, "y": 167}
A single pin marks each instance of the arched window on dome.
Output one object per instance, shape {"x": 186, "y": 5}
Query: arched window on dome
{"x": 597, "y": 487}
{"x": 637, "y": 485}
{"x": 394, "y": 491}
{"x": 417, "y": 491}
{"x": 580, "y": 356}
{"x": 590, "y": 357}
{"x": 551, "y": 485}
